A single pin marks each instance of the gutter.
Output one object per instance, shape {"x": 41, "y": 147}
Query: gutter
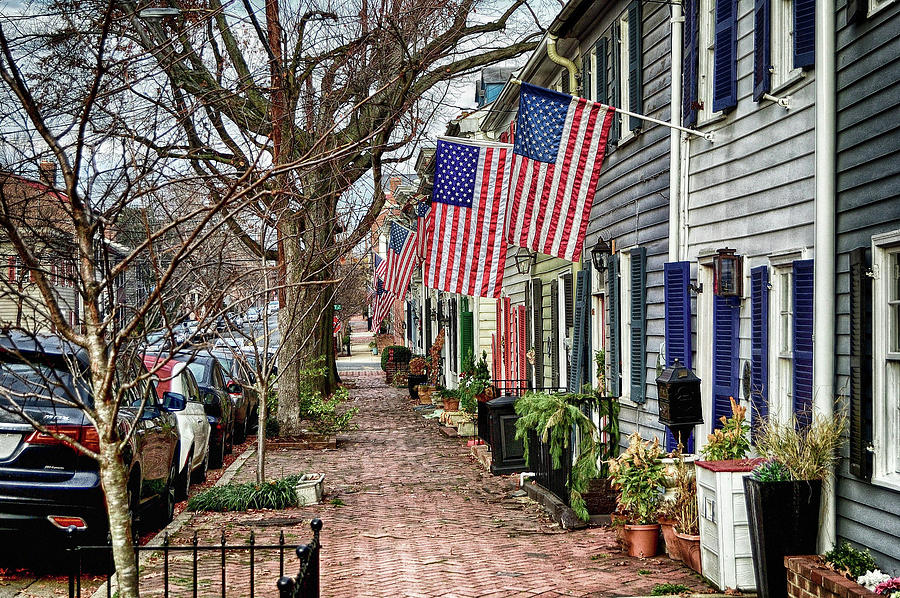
{"x": 675, "y": 136}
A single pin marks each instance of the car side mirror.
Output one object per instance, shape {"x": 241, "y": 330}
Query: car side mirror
{"x": 234, "y": 388}
{"x": 174, "y": 401}
{"x": 211, "y": 403}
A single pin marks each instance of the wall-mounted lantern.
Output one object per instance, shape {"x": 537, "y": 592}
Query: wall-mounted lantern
{"x": 728, "y": 274}
{"x": 599, "y": 252}
{"x": 525, "y": 260}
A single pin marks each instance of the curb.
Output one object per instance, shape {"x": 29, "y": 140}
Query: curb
{"x": 176, "y": 524}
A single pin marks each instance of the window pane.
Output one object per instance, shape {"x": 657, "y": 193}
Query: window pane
{"x": 895, "y": 276}
{"x": 894, "y": 325}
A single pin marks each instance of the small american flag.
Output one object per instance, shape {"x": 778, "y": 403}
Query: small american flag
{"x": 381, "y": 304}
{"x": 559, "y": 147}
{"x": 423, "y": 220}
{"x": 466, "y": 248}
{"x": 401, "y": 259}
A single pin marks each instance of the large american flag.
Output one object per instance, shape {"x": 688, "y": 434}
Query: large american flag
{"x": 423, "y": 219}
{"x": 559, "y": 147}
{"x": 401, "y": 259}
{"x": 466, "y": 246}
{"x": 381, "y": 304}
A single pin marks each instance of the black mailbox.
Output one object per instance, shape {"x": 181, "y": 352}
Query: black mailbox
{"x": 678, "y": 389}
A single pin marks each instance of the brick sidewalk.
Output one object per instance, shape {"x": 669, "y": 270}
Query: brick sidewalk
{"x": 420, "y": 519}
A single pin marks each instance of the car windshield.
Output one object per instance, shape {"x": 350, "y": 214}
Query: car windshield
{"x": 35, "y": 384}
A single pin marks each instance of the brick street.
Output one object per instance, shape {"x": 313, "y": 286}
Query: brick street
{"x": 408, "y": 513}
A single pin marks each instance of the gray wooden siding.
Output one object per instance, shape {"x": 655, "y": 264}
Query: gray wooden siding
{"x": 868, "y": 179}
{"x": 632, "y": 201}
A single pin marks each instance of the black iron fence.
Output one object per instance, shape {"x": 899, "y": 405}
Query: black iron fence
{"x": 200, "y": 569}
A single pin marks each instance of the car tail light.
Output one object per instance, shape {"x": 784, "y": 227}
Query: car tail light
{"x": 87, "y": 436}
{"x": 63, "y": 521}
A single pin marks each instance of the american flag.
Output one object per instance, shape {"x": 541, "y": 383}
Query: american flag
{"x": 381, "y": 304}
{"x": 423, "y": 219}
{"x": 401, "y": 259}
{"x": 466, "y": 248}
{"x": 559, "y": 147}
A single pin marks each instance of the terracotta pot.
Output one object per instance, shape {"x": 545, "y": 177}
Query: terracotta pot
{"x": 451, "y": 404}
{"x": 690, "y": 550}
{"x": 673, "y": 546}
{"x": 642, "y": 539}
{"x": 425, "y": 393}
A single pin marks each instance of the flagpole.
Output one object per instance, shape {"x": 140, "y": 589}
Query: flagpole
{"x": 707, "y": 135}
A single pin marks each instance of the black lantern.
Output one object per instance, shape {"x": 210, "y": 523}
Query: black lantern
{"x": 678, "y": 389}
{"x": 728, "y": 276}
{"x": 601, "y": 250}
{"x": 524, "y": 260}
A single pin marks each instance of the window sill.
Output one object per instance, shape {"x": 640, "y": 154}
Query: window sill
{"x": 890, "y": 481}
{"x": 711, "y": 120}
{"x": 792, "y": 81}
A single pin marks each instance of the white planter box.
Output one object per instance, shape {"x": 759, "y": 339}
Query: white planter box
{"x": 466, "y": 428}
{"x": 725, "y": 551}
{"x": 310, "y": 489}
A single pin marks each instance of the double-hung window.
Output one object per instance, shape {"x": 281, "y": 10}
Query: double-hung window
{"x": 783, "y": 43}
{"x": 886, "y": 359}
{"x": 782, "y": 399}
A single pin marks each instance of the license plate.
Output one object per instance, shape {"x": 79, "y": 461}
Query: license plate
{"x": 8, "y": 444}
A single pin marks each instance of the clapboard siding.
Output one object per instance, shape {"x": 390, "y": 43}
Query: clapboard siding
{"x": 868, "y": 177}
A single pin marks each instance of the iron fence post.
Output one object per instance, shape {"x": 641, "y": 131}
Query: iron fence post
{"x": 286, "y": 587}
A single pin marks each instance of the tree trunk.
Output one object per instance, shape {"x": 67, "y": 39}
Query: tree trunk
{"x": 262, "y": 412}
{"x": 292, "y": 335}
{"x": 115, "y": 486}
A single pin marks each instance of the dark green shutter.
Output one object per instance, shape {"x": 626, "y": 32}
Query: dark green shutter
{"x": 564, "y": 82}
{"x": 454, "y": 340}
{"x": 554, "y": 332}
{"x": 586, "y": 88}
{"x": 568, "y": 298}
{"x": 614, "y": 359}
{"x": 537, "y": 302}
{"x": 860, "y": 365}
{"x": 635, "y": 64}
{"x": 529, "y": 324}
{"x": 587, "y": 343}
{"x": 466, "y": 334}
{"x": 638, "y": 373}
{"x": 576, "y": 362}
{"x": 427, "y": 316}
{"x": 602, "y": 67}
{"x": 613, "y": 136}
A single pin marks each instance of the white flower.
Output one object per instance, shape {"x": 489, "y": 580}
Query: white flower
{"x": 870, "y": 579}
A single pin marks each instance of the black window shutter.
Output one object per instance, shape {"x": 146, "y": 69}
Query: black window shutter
{"x": 529, "y": 324}
{"x": 427, "y": 316}
{"x": 586, "y": 89}
{"x": 635, "y": 64}
{"x": 454, "y": 343}
{"x": 587, "y": 324}
{"x": 803, "y": 339}
{"x": 762, "y": 49}
{"x": 725, "y": 56}
{"x": 638, "y": 373}
{"x": 678, "y": 312}
{"x": 564, "y": 81}
{"x": 689, "y": 65}
{"x": 602, "y": 65}
{"x": 759, "y": 347}
{"x": 860, "y": 365}
{"x": 567, "y": 295}
{"x": 613, "y": 358}
{"x": 857, "y": 11}
{"x": 804, "y": 33}
{"x": 615, "y": 70}
{"x": 554, "y": 332}
{"x": 537, "y": 302}
{"x": 576, "y": 363}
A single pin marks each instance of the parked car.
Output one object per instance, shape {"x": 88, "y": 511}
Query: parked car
{"x": 45, "y": 484}
{"x": 218, "y": 405}
{"x": 272, "y": 307}
{"x": 239, "y": 382}
{"x": 177, "y": 383}
{"x": 234, "y": 319}
{"x": 254, "y": 314}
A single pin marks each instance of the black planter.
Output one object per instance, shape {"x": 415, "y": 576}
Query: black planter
{"x": 784, "y": 520}
{"x": 414, "y": 380}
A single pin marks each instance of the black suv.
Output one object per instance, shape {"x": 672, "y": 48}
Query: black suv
{"x": 45, "y": 484}
{"x": 240, "y": 383}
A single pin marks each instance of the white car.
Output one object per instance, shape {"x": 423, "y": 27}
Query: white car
{"x": 272, "y": 307}
{"x": 176, "y": 384}
{"x": 228, "y": 343}
{"x": 254, "y": 314}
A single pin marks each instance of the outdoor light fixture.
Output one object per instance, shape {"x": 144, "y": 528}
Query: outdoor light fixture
{"x": 600, "y": 250}
{"x": 524, "y": 260}
{"x": 728, "y": 275}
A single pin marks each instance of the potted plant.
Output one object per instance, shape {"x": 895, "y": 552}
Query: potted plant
{"x": 637, "y": 474}
{"x": 687, "y": 520}
{"x": 725, "y": 544}
{"x": 374, "y": 347}
{"x": 416, "y": 376}
{"x": 667, "y": 516}
{"x": 783, "y": 493}
{"x": 450, "y": 397}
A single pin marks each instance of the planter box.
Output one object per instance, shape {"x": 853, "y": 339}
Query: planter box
{"x": 310, "y": 489}
{"x": 725, "y": 553}
{"x": 808, "y": 576}
{"x": 465, "y": 427}
{"x": 452, "y": 418}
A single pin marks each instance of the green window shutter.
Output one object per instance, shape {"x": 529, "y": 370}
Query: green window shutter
{"x": 638, "y": 374}
{"x": 860, "y": 365}
{"x": 602, "y": 68}
{"x": 568, "y": 296}
{"x": 587, "y": 365}
{"x": 427, "y": 316}
{"x": 615, "y": 67}
{"x": 554, "y": 332}
{"x": 466, "y": 334}
{"x": 564, "y": 81}
{"x": 635, "y": 64}
{"x": 529, "y": 325}
{"x": 454, "y": 342}
{"x": 576, "y": 363}
{"x": 537, "y": 302}
{"x": 586, "y": 75}
{"x": 614, "y": 359}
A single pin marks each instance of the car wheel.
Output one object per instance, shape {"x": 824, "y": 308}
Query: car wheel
{"x": 240, "y": 431}
{"x": 217, "y": 454}
{"x": 229, "y": 445}
{"x": 166, "y": 508}
{"x": 183, "y": 486}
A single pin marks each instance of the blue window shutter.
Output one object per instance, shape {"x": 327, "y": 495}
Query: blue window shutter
{"x": 635, "y": 64}
{"x": 638, "y": 373}
{"x": 678, "y": 312}
{"x": 615, "y": 70}
{"x": 614, "y": 358}
{"x": 725, "y": 56}
{"x": 804, "y": 33}
{"x": 602, "y": 68}
{"x": 586, "y": 88}
{"x": 576, "y": 369}
{"x": 689, "y": 63}
{"x": 762, "y": 49}
{"x": 759, "y": 346}
{"x": 803, "y": 339}
{"x": 726, "y": 312}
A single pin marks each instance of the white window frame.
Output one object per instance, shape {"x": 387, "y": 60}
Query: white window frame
{"x": 781, "y": 39}
{"x": 625, "y": 323}
{"x": 706, "y": 44}
{"x": 886, "y": 361}
{"x": 624, "y": 57}
{"x": 877, "y": 5}
{"x": 781, "y": 343}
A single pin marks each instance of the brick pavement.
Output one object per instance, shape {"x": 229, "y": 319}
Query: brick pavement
{"x": 417, "y": 518}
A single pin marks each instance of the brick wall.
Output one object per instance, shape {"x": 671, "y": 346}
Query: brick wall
{"x": 808, "y": 577}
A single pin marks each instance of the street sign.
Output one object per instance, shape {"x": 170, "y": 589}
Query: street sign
{"x": 337, "y": 307}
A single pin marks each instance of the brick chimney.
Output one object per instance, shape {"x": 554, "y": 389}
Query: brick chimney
{"x": 48, "y": 172}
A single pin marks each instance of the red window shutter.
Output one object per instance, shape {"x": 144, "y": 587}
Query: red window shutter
{"x": 506, "y": 334}
{"x": 11, "y": 268}
{"x": 512, "y": 132}
{"x": 523, "y": 366}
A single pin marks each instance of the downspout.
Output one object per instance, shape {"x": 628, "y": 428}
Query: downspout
{"x": 674, "y": 134}
{"x": 824, "y": 299}
{"x": 563, "y": 61}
